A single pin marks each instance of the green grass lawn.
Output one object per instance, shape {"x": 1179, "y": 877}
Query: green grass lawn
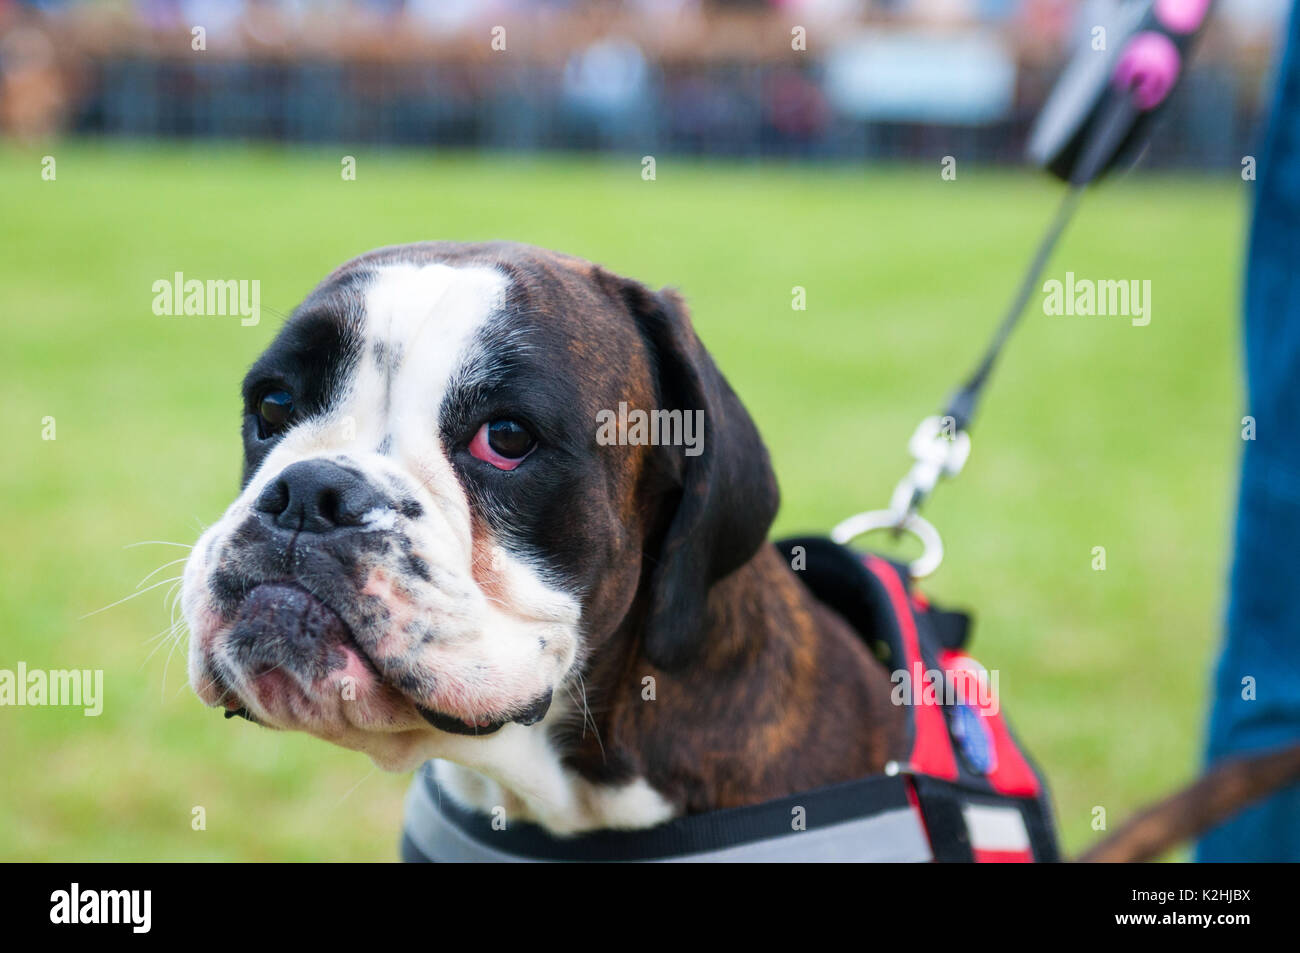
{"x": 1095, "y": 433}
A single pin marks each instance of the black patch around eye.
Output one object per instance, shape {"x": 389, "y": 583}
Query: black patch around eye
{"x": 310, "y": 360}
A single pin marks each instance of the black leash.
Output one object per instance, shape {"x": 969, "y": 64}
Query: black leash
{"x": 961, "y": 406}
{"x": 941, "y": 444}
{"x": 1098, "y": 116}
{"x": 1112, "y": 125}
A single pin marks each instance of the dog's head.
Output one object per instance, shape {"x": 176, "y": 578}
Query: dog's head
{"x": 450, "y": 502}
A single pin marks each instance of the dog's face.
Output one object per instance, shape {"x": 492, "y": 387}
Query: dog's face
{"x": 430, "y": 538}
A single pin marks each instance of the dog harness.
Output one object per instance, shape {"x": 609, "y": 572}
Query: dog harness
{"x": 967, "y": 791}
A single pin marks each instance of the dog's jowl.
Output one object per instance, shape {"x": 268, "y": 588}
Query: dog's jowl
{"x": 434, "y": 556}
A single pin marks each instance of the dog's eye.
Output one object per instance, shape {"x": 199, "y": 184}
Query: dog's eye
{"x": 274, "y": 411}
{"x": 503, "y": 443}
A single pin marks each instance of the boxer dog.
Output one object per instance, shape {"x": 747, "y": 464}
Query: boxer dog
{"x": 433, "y": 556}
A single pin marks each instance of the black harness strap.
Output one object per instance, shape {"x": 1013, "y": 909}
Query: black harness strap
{"x": 439, "y": 829}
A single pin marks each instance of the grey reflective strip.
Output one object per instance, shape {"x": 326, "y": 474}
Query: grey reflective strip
{"x": 893, "y": 836}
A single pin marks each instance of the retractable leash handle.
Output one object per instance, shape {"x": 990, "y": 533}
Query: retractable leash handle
{"x": 1099, "y": 114}
{"x": 1097, "y": 117}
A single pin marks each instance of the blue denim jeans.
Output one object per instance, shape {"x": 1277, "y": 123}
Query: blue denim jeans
{"x": 1262, "y": 642}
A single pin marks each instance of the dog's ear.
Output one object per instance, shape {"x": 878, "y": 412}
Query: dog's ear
{"x": 728, "y": 494}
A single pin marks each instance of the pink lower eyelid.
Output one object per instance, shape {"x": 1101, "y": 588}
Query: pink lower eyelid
{"x": 480, "y": 449}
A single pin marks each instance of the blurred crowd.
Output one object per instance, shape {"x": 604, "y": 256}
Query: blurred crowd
{"x": 232, "y": 19}
{"x": 846, "y": 78}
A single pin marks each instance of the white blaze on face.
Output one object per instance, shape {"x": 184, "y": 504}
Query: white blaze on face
{"x": 423, "y": 319}
{"x": 420, "y": 326}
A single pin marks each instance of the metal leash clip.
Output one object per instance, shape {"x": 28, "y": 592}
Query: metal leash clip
{"x": 940, "y": 450}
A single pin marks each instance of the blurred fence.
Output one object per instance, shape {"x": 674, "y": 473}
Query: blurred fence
{"x": 719, "y": 82}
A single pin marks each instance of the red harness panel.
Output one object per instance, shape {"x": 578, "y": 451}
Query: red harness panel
{"x": 977, "y": 793}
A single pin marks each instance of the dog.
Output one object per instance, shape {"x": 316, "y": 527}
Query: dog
{"x": 434, "y": 556}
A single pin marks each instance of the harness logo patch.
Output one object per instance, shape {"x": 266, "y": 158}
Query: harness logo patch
{"x": 974, "y": 738}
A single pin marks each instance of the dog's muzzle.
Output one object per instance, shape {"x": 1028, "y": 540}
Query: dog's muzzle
{"x": 329, "y": 616}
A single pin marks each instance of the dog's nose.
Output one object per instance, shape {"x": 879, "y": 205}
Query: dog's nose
{"x": 316, "y": 496}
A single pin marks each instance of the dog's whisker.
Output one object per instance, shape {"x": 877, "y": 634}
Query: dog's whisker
{"x": 170, "y": 636}
{"x": 133, "y": 595}
{"x": 158, "y": 542}
{"x": 167, "y": 665}
{"x": 350, "y": 790}
{"x": 590, "y": 718}
{"x": 171, "y": 648}
{"x": 585, "y": 711}
{"x": 160, "y": 569}
{"x": 165, "y": 637}
{"x": 568, "y": 690}
{"x": 174, "y": 597}
{"x": 158, "y": 636}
